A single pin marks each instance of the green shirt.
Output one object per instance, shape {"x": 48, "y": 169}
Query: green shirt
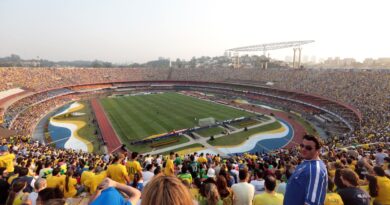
{"x": 178, "y": 161}
{"x": 186, "y": 176}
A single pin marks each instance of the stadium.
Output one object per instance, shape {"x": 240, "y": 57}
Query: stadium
{"x": 194, "y": 102}
{"x": 156, "y": 112}
{"x": 146, "y": 116}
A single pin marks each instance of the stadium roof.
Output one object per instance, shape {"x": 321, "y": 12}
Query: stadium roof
{"x": 270, "y": 46}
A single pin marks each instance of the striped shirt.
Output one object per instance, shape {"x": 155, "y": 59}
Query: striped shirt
{"x": 308, "y": 184}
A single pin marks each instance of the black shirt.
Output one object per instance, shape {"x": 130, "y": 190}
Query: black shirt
{"x": 354, "y": 196}
{"x": 4, "y": 187}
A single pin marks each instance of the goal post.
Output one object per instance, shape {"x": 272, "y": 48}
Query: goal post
{"x": 206, "y": 121}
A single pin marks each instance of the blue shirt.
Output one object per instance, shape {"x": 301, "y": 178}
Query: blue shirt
{"x": 110, "y": 196}
{"x": 308, "y": 184}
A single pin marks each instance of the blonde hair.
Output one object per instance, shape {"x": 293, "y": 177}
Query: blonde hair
{"x": 212, "y": 195}
{"x": 166, "y": 190}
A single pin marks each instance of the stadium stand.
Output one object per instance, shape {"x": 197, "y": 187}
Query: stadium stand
{"x": 32, "y": 172}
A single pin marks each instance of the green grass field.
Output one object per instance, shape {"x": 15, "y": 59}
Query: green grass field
{"x": 137, "y": 117}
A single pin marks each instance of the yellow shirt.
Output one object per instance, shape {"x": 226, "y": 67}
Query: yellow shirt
{"x": 217, "y": 159}
{"x": 133, "y": 167}
{"x": 384, "y": 190}
{"x": 169, "y": 167}
{"x": 195, "y": 193}
{"x": 19, "y": 198}
{"x": 71, "y": 188}
{"x": 268, "y": 199}
{"x": 333, "y": 199}
{"x": 55, "y": 181}
{"x": 11, "y": 178}
{"x": 94, "y": 181}
{"x": 117, "y": 172}
{"x": 202, "y": 160}
{"x": 7, "y": 161}
{"x": 86, "y": 175}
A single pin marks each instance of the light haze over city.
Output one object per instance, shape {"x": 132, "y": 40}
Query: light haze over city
{"x": 138, "y": 31}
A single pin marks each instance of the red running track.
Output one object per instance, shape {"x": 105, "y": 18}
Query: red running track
{"x": 112, "y": 141}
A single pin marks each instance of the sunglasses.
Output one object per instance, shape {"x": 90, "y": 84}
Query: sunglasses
{"x": 307, "y": 147}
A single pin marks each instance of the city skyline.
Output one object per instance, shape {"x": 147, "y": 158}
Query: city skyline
{"x": 138, "y": 31}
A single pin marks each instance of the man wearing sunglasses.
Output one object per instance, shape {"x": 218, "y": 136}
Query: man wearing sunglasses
{"x": 308, "y": 183}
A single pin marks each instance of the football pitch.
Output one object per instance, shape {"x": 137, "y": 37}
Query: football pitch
{"x": 138, "y": 117}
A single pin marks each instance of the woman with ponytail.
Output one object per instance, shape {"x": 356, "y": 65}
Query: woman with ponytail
{"x": 70, "y": 185}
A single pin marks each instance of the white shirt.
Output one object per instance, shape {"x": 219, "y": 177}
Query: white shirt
{"x": 243, "y": 193}
{"x": 33, "y": 197}
{"x": 281, "y": 188}
{"x": 380, "y": 158}
{"x": 147, "y": 175}
{"x": 259, "y": 186}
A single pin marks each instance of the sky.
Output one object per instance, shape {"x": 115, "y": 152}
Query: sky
{"x": 126, "y": 31}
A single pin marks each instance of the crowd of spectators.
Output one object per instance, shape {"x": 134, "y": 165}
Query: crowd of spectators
{"x": 58, "y": 174}
{"x": 367, "y": 90}
{"x": 34, "y": 174}
{"x": 20, "y": 105}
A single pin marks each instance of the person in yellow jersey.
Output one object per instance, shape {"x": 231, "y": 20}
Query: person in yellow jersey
{"x": 93, "y": 182}
{"x": 371, "y": 187}
{"x": 87, "y": 174}
{"x": 269, "y": 197}
{"x": 332, "y": 198}
{"x": 6, "y": 159}
{"x": 383, "y": 183}
{"x": 117, "y": 172}
{"x": 169, "y": 166}
{"x": 217, "y": 158}
{"x": 383, "y": 186}
{"x": 133, "y": 167}
{"x": 70, "y": 185}
{"x": 202, "y": 159}
{"x": 55, "y": 180}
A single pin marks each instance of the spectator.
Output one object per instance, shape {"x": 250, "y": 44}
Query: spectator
{"x": 4, "y": 186}
{"x": 16, "y": 195}
{"x": 371, "y": 188}
{"x": 184, "y": 175}
{"x": 52, "y": 196}
{"x": 39, "y": 185}
{"x": 212, "y": 196}
{"x": 224, "y": 191}
{"x": 117, "y": 172}
{"x": 243, "y": 191}
{"x": 383, "y": 186}
{"x": 23, "y": 177}
{"x": 308, "y": 182}
{"x": 133, "y": 167}
{"x": 108, "y": 193}
{"x": 332, "y": 198}
{"x": 270, "y": 197}
{"x": 70, "y": 185}
{"x": 380, "y": 157}
{"x": 169, "y": 167}
{"x": 148, "y": 174}
{"x": 166, "y": 190}
{"x": 6, "y": 159}
{"x": 352, "y": 194}
{"x": 258, "y": 182}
